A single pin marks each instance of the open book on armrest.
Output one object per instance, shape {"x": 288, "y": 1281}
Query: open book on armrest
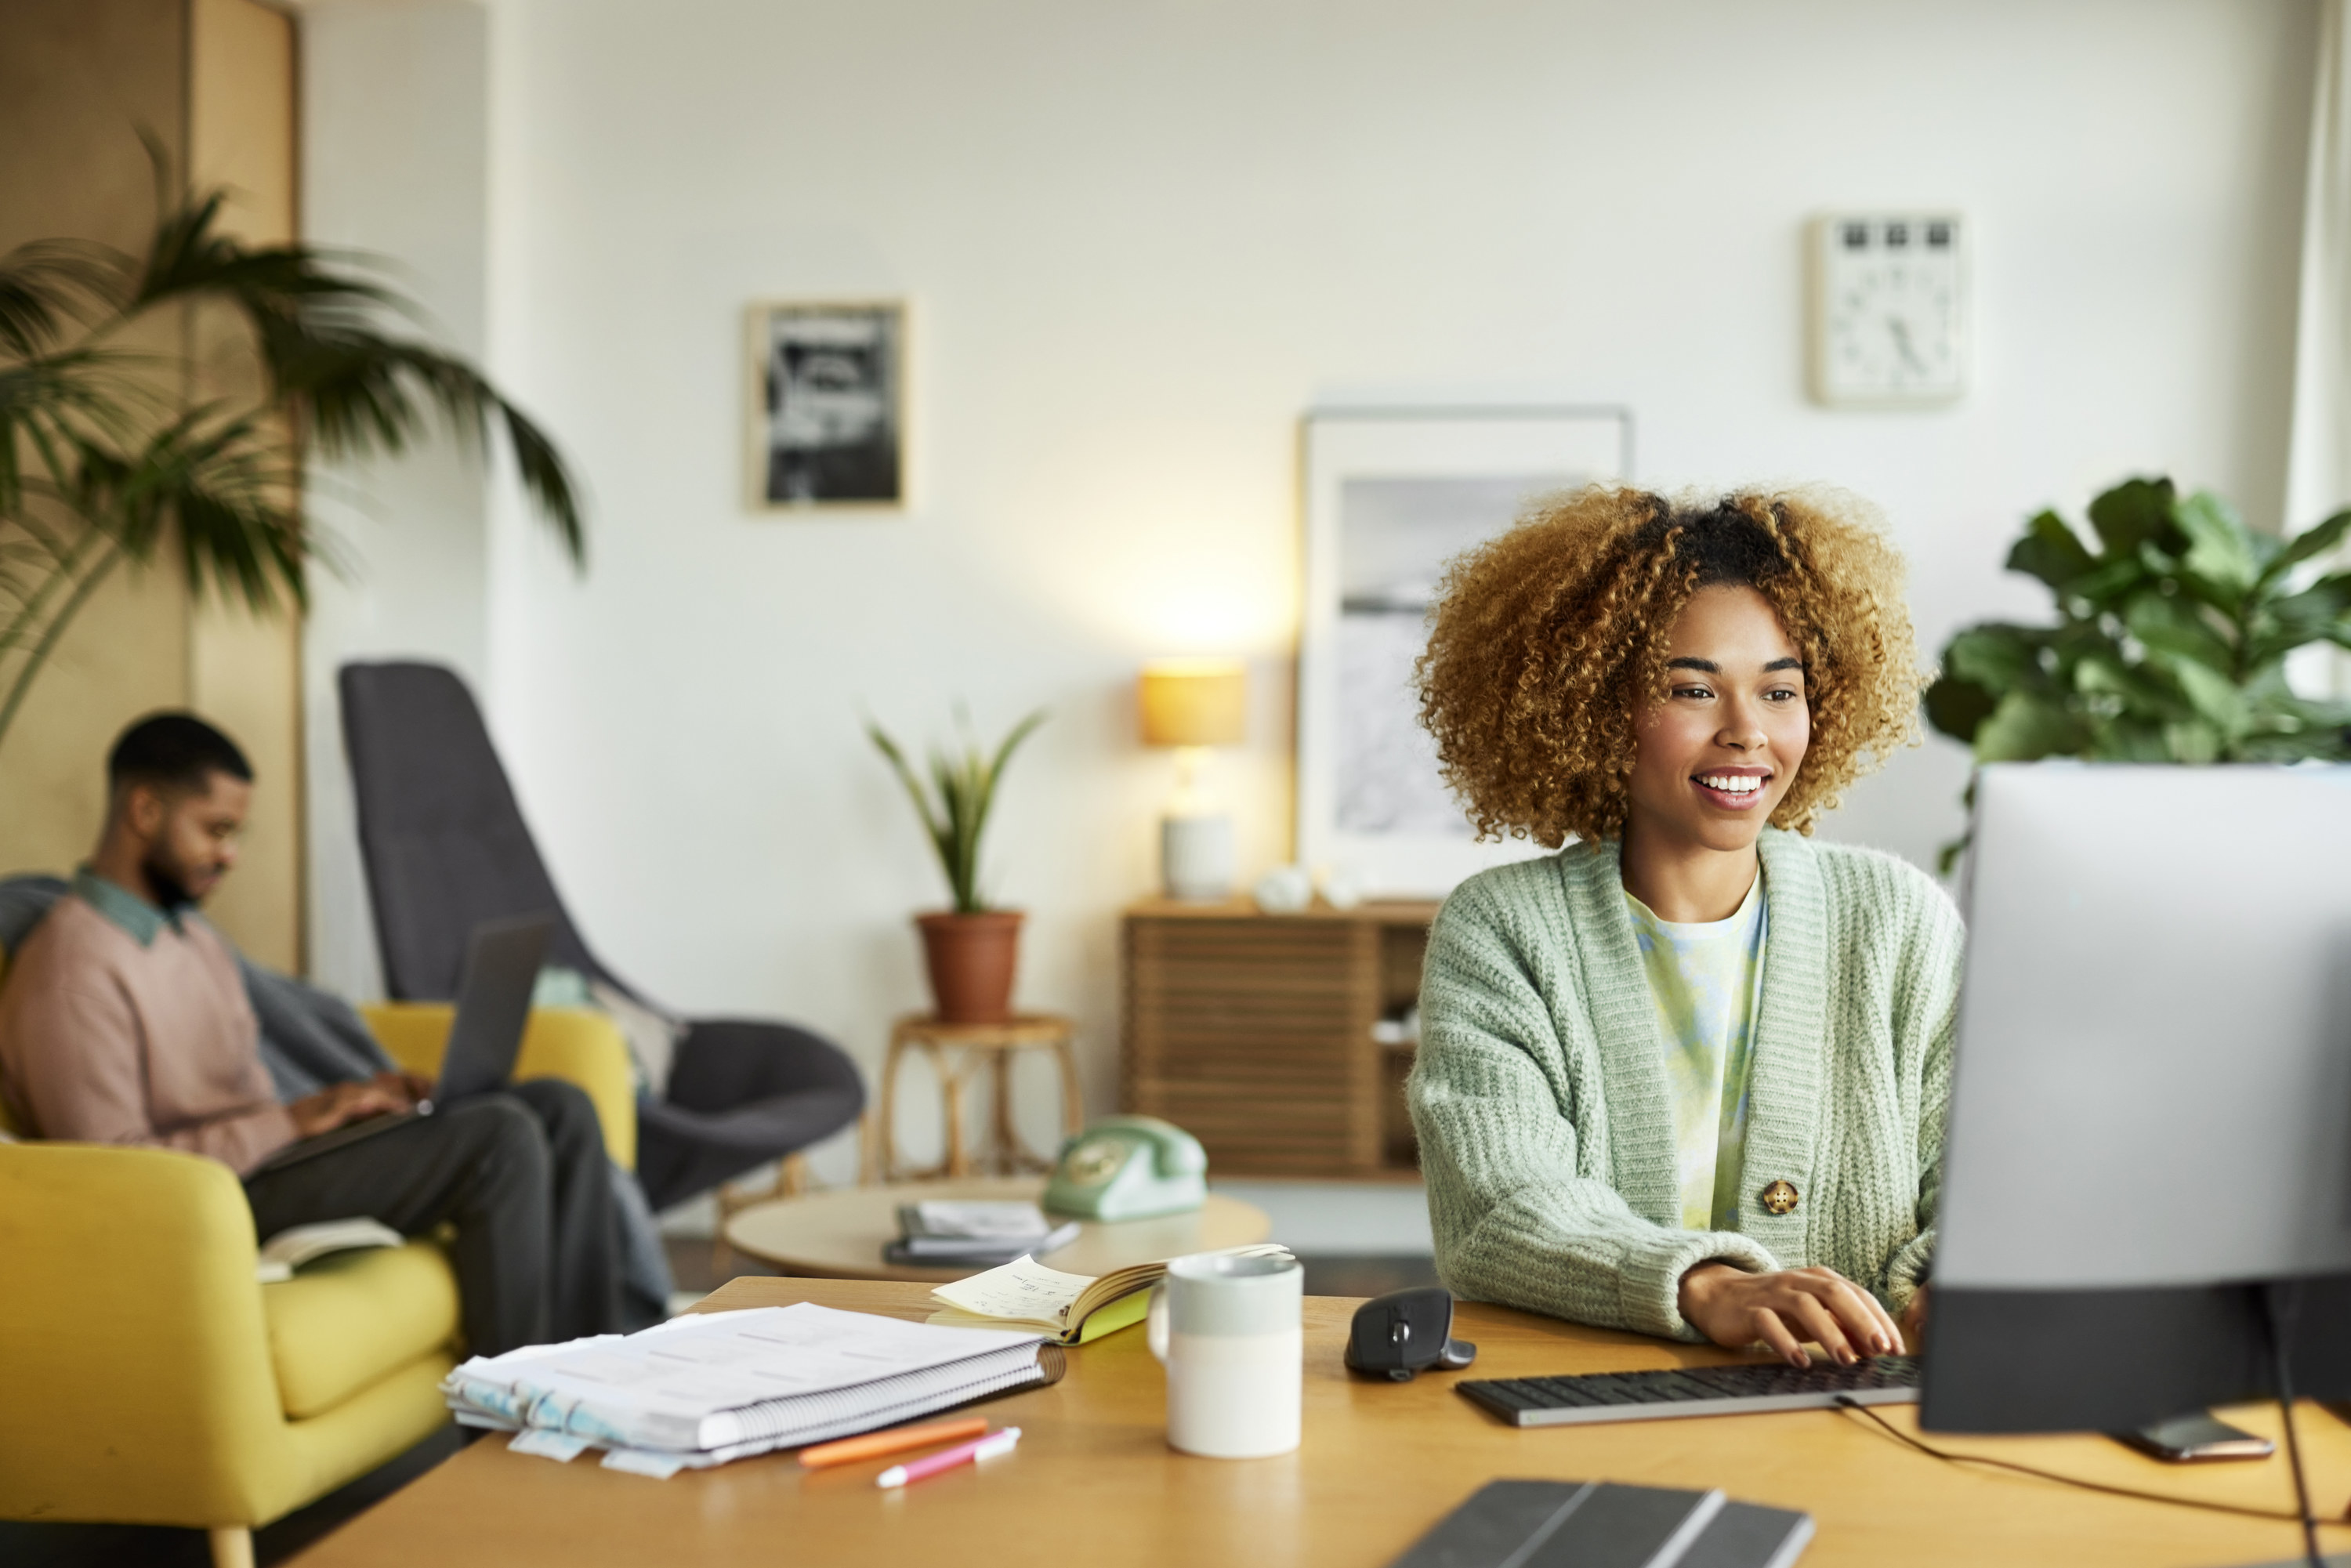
{"x": 290, "y": 1249}
{"x": 1072, "y": 1308}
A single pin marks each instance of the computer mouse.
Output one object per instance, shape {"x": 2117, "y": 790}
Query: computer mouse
{"x": 1404, "y": 1333}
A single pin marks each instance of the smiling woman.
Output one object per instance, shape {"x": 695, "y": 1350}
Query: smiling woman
{"x": 1717, "y": 754}
{"x": 1544, "y": 637}
{"x": 1687, "y": 1075}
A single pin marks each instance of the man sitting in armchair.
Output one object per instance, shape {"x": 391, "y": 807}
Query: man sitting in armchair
{"x": 125, "y": 1020}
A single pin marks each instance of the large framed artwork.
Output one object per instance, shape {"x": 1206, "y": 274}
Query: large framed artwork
{"x": 828, "y": 403}
{"x": 1391, "y": 495}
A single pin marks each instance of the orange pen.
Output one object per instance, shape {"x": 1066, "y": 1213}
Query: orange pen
{"x": 897, "y": 1440}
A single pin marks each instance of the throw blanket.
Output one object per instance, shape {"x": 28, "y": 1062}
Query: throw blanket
{"x": 310, "y": 1039}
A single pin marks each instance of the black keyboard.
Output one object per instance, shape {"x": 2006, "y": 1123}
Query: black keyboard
{"x": 1694, "y": 1391}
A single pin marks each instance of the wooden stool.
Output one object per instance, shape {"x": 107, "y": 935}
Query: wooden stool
{"x": 974, "y": 1043}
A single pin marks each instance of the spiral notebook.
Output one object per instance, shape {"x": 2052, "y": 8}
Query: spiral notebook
{"x": 708, "y": 1387}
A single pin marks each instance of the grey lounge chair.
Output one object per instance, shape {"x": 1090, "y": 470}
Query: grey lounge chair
{"x": 446, "y": 848}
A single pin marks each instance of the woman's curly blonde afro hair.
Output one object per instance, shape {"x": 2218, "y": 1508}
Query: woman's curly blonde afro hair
{"x": 1546, "y": 642}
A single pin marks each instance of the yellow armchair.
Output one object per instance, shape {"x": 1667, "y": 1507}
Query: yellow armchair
{"x": 140, "y": 1371}
{"x": 145, "y": 1376}
{"x": 576, "y": 1043}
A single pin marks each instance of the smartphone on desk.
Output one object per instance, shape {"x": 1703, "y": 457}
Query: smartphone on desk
{"x": 2188, "y": 1439}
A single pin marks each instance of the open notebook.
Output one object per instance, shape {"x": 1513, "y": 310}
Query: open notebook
{"x": 1072, "y": 1308}
{"x": 290, "y": 1249}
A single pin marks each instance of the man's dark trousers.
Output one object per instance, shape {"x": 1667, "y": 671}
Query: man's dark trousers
{"x": 521, "y": 1174}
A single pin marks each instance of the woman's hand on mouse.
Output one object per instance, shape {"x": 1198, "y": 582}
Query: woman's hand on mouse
{"x": 1733, "y": 1307}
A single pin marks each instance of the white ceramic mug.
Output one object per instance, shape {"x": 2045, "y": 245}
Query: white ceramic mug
{"x": 1227, "y": 1329}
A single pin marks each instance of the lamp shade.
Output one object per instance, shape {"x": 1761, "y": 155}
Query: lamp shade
{"x": 1194, "y": 702}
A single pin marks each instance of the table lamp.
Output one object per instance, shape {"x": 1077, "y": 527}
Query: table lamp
{"x": 1193, "y": 704}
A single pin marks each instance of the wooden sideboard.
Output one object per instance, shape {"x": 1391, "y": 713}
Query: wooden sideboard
{"x": 1255, "y": 1032}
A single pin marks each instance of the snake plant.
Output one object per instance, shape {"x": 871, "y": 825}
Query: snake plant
{"x": 961, "y": 792}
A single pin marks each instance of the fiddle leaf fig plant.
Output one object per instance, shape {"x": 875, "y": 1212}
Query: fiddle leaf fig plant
{"x": 2174, "y": 622}
{"x": 961, "y": 793}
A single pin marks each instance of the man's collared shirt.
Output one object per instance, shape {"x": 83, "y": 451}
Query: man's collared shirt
{"x": 124, "y": 907}
{"x": 124, "y": 1023}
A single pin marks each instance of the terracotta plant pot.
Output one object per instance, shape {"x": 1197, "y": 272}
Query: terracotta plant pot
{"x": 971, "y": 959}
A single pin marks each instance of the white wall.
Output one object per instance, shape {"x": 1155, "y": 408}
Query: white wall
{"x": 1140, "y": 240}
{"x": 395, "y": 163}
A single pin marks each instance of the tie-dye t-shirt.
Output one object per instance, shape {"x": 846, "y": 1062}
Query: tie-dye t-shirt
{"x": 1706, "y": 977}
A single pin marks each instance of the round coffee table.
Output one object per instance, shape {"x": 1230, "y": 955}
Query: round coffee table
{"x": 840, "y": 1234}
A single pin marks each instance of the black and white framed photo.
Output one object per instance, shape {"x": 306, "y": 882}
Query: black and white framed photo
{"x": 1390, "y": 497}
{"x": 828, "y": 404}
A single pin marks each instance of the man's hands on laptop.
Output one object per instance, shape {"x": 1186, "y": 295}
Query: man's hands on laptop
{"x": 338, "y": 1104}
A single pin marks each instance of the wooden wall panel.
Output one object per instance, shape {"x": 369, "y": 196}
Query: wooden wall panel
{"x": 212, "y": 80}
{"x": 78, "y": 81}
{"x": 244, "y": 671}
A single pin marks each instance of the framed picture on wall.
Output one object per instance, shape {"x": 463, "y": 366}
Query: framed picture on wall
{"x": 1390, "y": 495}
{"x": 828, "y": 403}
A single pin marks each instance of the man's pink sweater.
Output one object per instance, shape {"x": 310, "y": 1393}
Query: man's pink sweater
{"x": 105, "y": 1041}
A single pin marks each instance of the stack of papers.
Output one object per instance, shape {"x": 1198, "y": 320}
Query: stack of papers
{"x": 708, "y": 1387}
{"x": 945, "y": 1233}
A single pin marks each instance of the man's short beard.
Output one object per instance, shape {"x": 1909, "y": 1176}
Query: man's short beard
{"x": 165, "y": 881}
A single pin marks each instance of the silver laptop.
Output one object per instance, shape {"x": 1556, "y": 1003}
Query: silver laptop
{"x": 502, "y": 962}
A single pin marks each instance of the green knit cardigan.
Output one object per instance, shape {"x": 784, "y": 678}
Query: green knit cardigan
{"x": 1546, "y": 1123}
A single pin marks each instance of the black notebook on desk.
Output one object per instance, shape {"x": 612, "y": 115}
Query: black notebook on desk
{"x": 1600, "y": 1524}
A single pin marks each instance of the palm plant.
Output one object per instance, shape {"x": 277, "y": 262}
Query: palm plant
{"x": 2170, "y": 642}
{"x": 112, "y": 453}
{"x": 963, "y": 782}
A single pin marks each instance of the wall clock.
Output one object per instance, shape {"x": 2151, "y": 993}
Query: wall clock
{"x": 1889, "y": 308}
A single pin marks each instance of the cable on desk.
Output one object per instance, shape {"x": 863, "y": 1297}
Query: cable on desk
{"x": 2280, "y": 1300}
{"x": 1898, "y": 1435}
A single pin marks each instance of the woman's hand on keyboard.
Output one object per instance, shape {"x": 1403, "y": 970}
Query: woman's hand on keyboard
{"x": 1913, "y": 1318}
{"x": 1733, "y": 1307}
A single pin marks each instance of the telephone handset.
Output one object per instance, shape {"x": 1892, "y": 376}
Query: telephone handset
{"x": 1129, "y": 1168}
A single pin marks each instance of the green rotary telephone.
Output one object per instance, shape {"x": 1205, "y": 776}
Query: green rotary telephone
{"x": 1129, "y": 1168}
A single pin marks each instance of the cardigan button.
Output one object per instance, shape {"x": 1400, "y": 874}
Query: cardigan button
{"x": 1780, "y": 1197}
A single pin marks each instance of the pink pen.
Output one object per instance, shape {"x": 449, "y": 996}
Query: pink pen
{"x": 985, "y": 1448}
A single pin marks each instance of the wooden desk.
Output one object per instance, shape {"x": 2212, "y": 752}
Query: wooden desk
{"x": 1093, "y": 1481}
{"x": 839, "y": 1235}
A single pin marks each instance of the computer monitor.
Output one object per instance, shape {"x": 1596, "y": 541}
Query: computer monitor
{"x": 2150, "y": 1117}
